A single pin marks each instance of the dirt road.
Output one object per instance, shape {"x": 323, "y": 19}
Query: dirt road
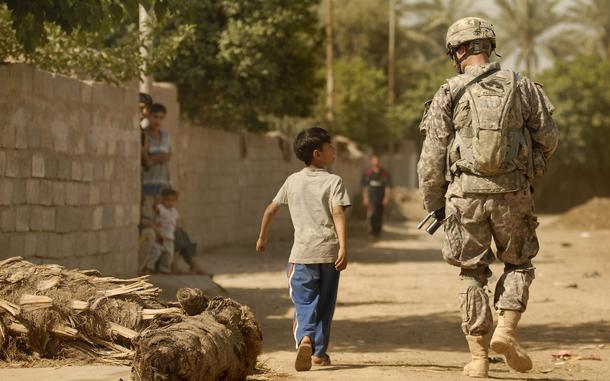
{"x": 397, "y": 317}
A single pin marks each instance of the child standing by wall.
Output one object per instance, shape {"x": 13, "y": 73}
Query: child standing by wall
{"x": 316, "y": 200}
{"x": 161, "y": 255}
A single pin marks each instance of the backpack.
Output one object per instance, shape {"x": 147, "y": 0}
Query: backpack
{"x": 491, "y": 148}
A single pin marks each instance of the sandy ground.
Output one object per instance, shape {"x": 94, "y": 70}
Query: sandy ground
{"x": 397, "y": 316}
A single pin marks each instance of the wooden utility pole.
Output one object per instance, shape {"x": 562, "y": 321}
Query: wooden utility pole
{"x": 144, "y": 29}
{"x": 330, "y": 79}
{"x": 391, "y": 52}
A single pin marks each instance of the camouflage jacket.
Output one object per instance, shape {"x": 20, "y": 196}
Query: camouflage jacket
{"x": 437, "y": 126}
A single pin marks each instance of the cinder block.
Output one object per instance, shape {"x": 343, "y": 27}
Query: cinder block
{"x": 48, "y": 219}
{"x": 98, "y": 218}
{"x": 19, "y": 192}
{"x": 46, "y": 193}
{"x": 79, "y": 146}
{"x": 71, "y": 193}
{"x": 102, "y": 240}
{"x": 94, "y": 195}
{"x": 108, "y": 217}
{"x": 19, "y": 118}
{"x": 73, "y": 90}
{"x": 55, "y": 245}
{"x": 98, "y": 171}
{"x": 65, "y": 168}
{"x": 2, "y": 163}
{"x": 39, "y": 83}
{"x": 12, "y": 164}
{"x": 5, "y": 241}
{"x": 36, "y": 222}
{"x": 30, "y": 244}
{"x": 69, "y": 245}
{"x": 23, "y": 77}
{"x": 25, "y": 163}
{"x": 87, "y": 171}
{"x": 7, "y": 140}
{"x": 16, "y": 244}
{"x": 6, "y": 191}
{"x": 32, "y": 190}
{"x": 105, "y": 192}
{"x": 21, "y": 137}
{"x": 38, "y": 165}
{"x": 115, "y": 194}
{"x": 77, "y": 170}
{"x": 22, "y": 222}
{"x": 59, "y": 193}
{"x": 34, "y": 138}
{"x": 108, "y": 170}
{"x": 83, "y": 193}
{"x": 85, "y": 92}
{"x": 8, "y": 219}
{"x": 46, "y": 139}
{"x": 51, "y": 167}
{"x": 135, "y": 214}
{"x": 91, "y": 240}
{"x": 59, "y": 131}
{"x": 119, "y": 216}
{"x": 42, "y": 244}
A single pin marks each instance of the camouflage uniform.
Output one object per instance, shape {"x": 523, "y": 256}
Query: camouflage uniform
{"x": 480, "y": 207}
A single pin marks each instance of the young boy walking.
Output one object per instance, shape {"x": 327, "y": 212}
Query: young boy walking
{"x": 317, "y": 200}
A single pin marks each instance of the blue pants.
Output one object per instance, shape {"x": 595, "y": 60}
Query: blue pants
{"x": 313, "y": 290}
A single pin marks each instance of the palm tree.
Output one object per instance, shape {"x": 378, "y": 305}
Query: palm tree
{"x": 526, "y": 29}
{"x": 430, "y": 21}
{"x": 594, "y": 17}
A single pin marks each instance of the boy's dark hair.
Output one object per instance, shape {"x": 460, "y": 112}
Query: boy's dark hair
{"x": 146, "y": 99}
{"x": 169, "y": 192}
{"x": 157, "y": 107}
{"x": 308, "y": 141}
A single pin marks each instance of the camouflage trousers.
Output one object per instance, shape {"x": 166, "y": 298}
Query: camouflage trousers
{"x": 472, "y": 222}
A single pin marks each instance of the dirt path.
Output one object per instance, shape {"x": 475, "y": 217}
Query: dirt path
{"x": 397, "y": 316}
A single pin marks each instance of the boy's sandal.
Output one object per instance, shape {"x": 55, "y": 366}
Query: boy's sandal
{"x": 303, "y": 360}
{"x": 321, "y": 361}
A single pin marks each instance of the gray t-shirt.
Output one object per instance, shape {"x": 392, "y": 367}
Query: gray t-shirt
{"x": 311, "y": 195}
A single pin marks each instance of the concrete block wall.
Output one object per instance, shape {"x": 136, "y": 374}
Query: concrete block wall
{"x": 69, "y": 171}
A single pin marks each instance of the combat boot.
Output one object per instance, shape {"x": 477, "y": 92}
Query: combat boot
{"x": 478, "y": 367}
{"x": 504, "y": 341}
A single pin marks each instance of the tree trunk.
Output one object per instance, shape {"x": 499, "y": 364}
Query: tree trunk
{"x": 186, "y": 348}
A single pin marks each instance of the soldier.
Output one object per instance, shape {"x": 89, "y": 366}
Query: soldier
{"x": 488, "y": 133}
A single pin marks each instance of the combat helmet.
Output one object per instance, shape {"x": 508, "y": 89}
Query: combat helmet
{"x": 477, "y": 33}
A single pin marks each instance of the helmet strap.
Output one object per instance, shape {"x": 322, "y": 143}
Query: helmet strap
{"x": 472, "y": 47}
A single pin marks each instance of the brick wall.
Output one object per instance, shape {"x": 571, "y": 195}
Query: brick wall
{"x": 70, "y": 173}
{"x": 68, "y": 159}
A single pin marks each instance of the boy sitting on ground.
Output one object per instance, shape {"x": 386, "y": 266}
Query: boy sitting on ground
{"x": 316, "y": 200}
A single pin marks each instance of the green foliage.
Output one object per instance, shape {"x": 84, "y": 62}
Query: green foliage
{"x": 361, "y": 30}
{"x": 104, "y": 50}
{"x": 524, "y": 27}
{"x": 580, "y": 91}
{"x": 411, "y": 106}
{"x": 361, "y": 102}
{"x": 246, "y": 59}
{"x": 30, "y": 18}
